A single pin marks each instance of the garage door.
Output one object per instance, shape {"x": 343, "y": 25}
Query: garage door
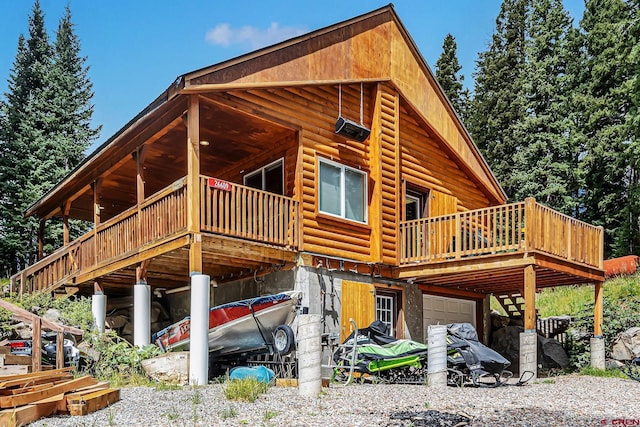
{"x": 443, "y": 310}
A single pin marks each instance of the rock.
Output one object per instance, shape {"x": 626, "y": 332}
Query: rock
{"x": 169, "y": 367}
{"x": 614, "y": 364}
{"x": 116, "y": 322}
{"x": 626, "y": 346}
{"x": 23, "y": 331}
{"x": 52, "y": 315}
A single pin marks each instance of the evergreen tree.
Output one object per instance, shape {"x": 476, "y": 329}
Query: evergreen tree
{"x": 544, "y": 167}
{"x": 73, "y": 93}
{"x": 24, "y": 118}
{"x": 499, "y": 102}
{"x": 44, "y": 132}
{"x": 70, "y": 93}
{"x": 448, "y": 75}
{"x": 608, "y": 174}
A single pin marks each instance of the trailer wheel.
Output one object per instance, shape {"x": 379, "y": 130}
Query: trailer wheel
{"x": 283, "y": 339}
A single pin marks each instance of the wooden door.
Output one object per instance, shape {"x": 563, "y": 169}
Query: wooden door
{"x": 358, "y": 303}
{"x": 441, "y": 230}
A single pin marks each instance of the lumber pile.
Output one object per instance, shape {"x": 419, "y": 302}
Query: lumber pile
{"x": 25, "y": 398}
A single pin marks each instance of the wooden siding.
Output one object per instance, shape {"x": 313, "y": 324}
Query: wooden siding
{"x": 390, "y": 175}
{"x": 359, "y": 51}
{"x": 418, "y": 87}
{"x": 423, "y": 162}
{"x": 314, "y": 111}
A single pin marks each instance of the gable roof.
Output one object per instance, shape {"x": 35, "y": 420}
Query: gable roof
{"x": 373, "y": 47}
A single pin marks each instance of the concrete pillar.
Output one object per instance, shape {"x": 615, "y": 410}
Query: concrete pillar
{"x": 597, "y": 352}
{"x": 437, "y": 355}
{"x": 141, "y": 313}
{"x": 529, "y": 352}
{"x": 99, "y": 310}
{"x": 309, "y": 354}
{"x": 199, "y": 332}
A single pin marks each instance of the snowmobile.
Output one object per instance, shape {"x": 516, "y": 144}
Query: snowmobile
{"x": 470, "y": 361}
{"x": 369, "y": 354}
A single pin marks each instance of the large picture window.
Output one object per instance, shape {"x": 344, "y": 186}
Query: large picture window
{"x": 343, "y": 191}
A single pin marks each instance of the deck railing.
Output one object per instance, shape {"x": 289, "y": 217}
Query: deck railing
{"x": 158, "y": 217}
{"x": 524, "y": 226}
{"x": 239, "y": 211}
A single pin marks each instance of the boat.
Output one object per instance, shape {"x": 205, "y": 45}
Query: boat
{"x": 254, "y": 325}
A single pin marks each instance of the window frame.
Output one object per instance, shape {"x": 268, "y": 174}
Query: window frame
{"x": 262, "y": 171}
{"x": 343, "y": 205}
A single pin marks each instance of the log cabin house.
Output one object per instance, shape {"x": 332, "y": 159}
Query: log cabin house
{"x": 331, "y": 163}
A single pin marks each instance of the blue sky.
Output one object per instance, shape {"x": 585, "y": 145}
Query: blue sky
{"x": 136, "y": 48}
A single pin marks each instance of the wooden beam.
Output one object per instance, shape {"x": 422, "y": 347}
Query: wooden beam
{"x": 161, "y": 247}
{"x": 65, "y": 222}
{"x": 598, "y": 309}
{"x": 27, "y": 414}
{"x": 193, "y": 185}
{"x": 59, "y": 350}
{"x": 25, "y": 398}
{"x": 218, "y": 87}
{"x": 41, "y": 239}
{"x": 529, "y": 298}
{"x": 466, "y": 265}
{"x": 36, "y": 344}
{"x": 449, "y": 292}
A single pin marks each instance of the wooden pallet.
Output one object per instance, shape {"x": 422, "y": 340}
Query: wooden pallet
{"x": 25, "y": 398}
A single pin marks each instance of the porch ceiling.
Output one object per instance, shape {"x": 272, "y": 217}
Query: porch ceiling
{"x": 500, "y": 273}
{"x": 234, "y": 136}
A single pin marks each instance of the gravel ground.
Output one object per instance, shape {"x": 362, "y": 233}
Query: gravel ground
{"x": 557, "y": 401}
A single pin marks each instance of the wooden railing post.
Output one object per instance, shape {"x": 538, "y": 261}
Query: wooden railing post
{"x": 529, "y": 223}
{"x": 601, "y": 248}
{"x": 36, "y": 344}
{"x": 457, "y": 236}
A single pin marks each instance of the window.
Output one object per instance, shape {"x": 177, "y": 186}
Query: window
{"x": 268, "y": 178}
{"x": 385, "y": 312}
{"x": 343, "y": 191}
{"x": 415, "y": 204}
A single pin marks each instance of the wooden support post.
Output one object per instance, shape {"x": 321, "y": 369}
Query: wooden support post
{"x": 97, "y": 189}
{"x": 41, "y": 239}
{"x": 59, "y": 350}
{"x": 193, "y": 185}
{"x": 529, "y": 298}
{"x": 140, "y": 194}
{"x": 36, "y": 344}
{"x": 65, "y": 222}
{"x": 598, "y": 310}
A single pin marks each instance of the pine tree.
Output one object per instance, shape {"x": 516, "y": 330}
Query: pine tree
{"x": 544, "y": 167}
{"x": 448, "y": 75}
{"x": 24, "y": 118}
{"x": 44, "y": 132}
{"x": 499, "y": 102}
{"x": 70, "y": 93}
{"x": 608, "y": 173}
{"x": 73, "y": 94}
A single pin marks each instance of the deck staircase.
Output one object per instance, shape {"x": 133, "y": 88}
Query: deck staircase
{"x": 512, "y": 303}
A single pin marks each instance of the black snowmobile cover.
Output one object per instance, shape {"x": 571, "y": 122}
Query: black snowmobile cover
{"x": 464, "y": 337}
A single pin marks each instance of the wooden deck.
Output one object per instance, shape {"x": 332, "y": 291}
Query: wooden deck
{"x": 486, "y": 250}
{"x": 236, "y": 221}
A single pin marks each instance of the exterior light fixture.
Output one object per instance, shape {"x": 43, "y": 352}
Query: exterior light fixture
{"x": 204, "y": 143}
